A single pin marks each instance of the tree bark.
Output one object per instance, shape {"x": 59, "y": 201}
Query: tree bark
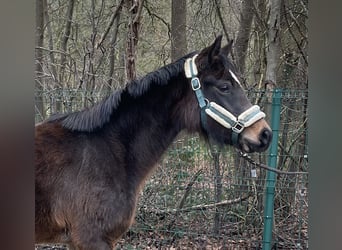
{"x": 259, "y": 41}
{"x": 273, "y": 48}
{"x": 66, "y": 36}
{"x": 242, "y": 40}
{"x": 178, "y": 29}
{"x": 50, "y": 40}
{"x": 112, "y": 52}
{"x": 134, "y": 12}
{"x": 39, "y": 58}
{"x": 64, "y": 46}
{"x": 220, "y": 17}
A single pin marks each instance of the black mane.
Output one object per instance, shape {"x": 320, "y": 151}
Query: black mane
{"x": 91, "y": 119}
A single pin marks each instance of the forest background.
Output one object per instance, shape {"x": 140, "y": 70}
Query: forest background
{"x": 100, "y": 45}
{"x": 87, "y": 49}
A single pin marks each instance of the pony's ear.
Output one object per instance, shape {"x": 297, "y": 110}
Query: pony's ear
{"x": 207, "y": 54}
{"x": 227, "y": 48}
{"x": 214, "y": 49}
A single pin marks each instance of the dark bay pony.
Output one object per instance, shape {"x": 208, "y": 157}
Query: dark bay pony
{"x": 91, "y": 164}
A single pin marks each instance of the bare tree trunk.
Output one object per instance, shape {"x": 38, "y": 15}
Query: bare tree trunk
{"x": 66, "y": 36}
{"x": 241, "y": 44}
{"x": 273, "y": 48}
{"x": 50, "y": 40}
{"x": 272, "y": 53}
{"x": 224, "y": 27}
{"x": 112, "y": 53}
{"x": 39, "y": 58}
{"x": 178, "y": 29}
{"x": 259, "y": 41}
{"x": 134, "y": 8}
{"x": 64, "y": 46}
{"x": 90, "y": 83}
{"x": 115, "y": 19}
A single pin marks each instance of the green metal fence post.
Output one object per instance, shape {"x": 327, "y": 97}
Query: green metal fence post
{"x": 271, "y": 176}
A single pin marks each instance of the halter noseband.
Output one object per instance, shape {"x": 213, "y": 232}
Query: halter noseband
{"x": 217, "y": 112}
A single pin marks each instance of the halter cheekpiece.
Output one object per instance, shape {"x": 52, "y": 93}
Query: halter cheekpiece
{"x": 217, "y": 112}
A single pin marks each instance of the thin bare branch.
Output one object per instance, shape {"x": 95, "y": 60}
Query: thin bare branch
{"x": 223, "y": 203}
{"x": 110, "y": 24}
{"x": 292, "y": 34}
{"x": 261, "y": 165}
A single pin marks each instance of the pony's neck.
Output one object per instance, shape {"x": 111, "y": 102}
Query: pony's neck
{"x": 146, "y": 125}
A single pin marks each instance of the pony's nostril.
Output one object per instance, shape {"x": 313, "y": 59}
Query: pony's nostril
{"x": 266, "y": 136}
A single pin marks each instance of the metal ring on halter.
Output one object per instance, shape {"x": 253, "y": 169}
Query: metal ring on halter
{"x": 206, "y": 102}
{"x": 238, "y": 127}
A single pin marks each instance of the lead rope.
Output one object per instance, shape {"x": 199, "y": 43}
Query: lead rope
{"x": 217, "y": 112}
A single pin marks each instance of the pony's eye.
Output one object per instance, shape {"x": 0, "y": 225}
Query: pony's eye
{"x": 225, "y": 89}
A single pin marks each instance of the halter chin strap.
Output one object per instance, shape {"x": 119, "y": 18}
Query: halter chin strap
{"x": 217, "y": 112}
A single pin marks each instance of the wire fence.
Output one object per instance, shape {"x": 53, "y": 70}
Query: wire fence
{"x": 201, "y": 197}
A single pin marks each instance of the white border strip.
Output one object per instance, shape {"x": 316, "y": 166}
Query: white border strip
{"x": 235, "y": 77}
{"x": 187, "y": 65}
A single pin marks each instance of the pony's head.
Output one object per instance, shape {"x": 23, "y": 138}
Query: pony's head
{"x": 226, "y": 114}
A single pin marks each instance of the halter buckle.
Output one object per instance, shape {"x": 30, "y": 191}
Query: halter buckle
{"x": 238, "y": 127}
{"x": 195, "y": 83}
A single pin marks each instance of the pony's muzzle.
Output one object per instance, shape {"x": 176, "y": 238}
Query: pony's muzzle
{"x": 256, "y": 138}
